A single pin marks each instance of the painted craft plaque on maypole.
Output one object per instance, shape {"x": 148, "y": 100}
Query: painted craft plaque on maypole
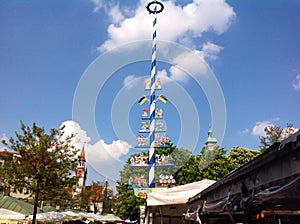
{"x": 152, "y": 133}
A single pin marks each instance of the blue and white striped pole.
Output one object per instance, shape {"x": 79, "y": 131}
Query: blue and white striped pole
{"x": 152, "y": 95}
{"x": 152, "y": 109}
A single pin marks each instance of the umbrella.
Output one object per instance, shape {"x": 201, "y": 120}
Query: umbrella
{"x": 95, "y": 216}
{"x": 49, "y": 215}
{"x": 110, "y": 218}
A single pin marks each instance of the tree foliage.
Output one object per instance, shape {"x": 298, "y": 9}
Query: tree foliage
{"x": 272, "y": 135}
{"x": 213, "y": 164}
{"x": 216, "y": 164}
{"x": 275, "y": 134}
{"x": 42, "y": 163}
{"x": 239, "y": 156}
{"x": 80, "y": 201}
{"x": 126, "y": 204}
{"x": 208, "y": 164}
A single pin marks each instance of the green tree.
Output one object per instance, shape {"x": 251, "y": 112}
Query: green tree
{"x": 213, "y": 164}
{"x": 43, "y": 163}
{"x": 188, "y": 172}
{"x": 107, "y": 198}
{"x": 272, "y": 135}
{"x": 80, "y": 201}
{"x": 275, "y": 134}
{"x": 209, "y": 164}
{"x": 239, "y": 156}
{"x": 126, "y": 204}
{"x": 56, "y": 196}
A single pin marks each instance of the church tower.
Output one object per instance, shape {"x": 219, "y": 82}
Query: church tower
{"x": 211, "y": 142}
{"x": 81, "y": 172}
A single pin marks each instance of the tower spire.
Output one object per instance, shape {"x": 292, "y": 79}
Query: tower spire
{"x": 211, "y": 142}
{"x": 82, "y": 155}
{"x": 81, "y": 171}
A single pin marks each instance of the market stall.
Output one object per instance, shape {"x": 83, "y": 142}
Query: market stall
{"x": 168, "y": 205}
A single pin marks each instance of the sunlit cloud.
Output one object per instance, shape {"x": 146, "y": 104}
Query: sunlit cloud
{"x": 192, "y": 20}
{"x": 103, "y": 157}
{"x": 211, "y": 50}
{"x": 296, "y": 82}
{"x": 244, "y": 132}
{"x": 259, "y": 128}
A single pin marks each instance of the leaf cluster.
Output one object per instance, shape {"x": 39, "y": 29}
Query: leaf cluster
{"x": 40, "y": 162}
{"x": 126, "y": 204}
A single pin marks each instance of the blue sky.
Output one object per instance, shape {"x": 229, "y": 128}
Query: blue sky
{"x": 234, "y": 65}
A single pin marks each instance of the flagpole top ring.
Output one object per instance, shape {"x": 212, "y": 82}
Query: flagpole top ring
{"x": 155, "y": 10}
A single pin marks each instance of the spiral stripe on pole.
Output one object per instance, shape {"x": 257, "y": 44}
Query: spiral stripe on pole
{"x": 152, "y": 108}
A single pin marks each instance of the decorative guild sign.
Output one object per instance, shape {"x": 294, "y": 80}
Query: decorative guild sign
{"x": 166, "y": 181}
{"x": 137, "y": 182}
{"x": 157, "y": 84}
{"x": 139, "y": 160}
{"x": 145, "y": 113}
{"x": 164, "y": 160}
{"x": 144, "y": 127}
{"x": 160, "y": 126}
{"x": 161, "y": 139}
{"x": 142, "y": 141}
{"x": 159, "y": 113}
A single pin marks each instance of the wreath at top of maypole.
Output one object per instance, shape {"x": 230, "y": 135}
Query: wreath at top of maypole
{"x": 155, "y": 10}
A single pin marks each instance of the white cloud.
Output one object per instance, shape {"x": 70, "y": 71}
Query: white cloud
{"x": 103, "y": 157}
{"x": 191, "y": 20}
{"x": 114, "y": 150}
{"x": 211, "y": 50}
{"x": 244, "y": 132}
{"x": 163, "y": 74}
{"x": 259, "y": 128}
{"x": 178, "y": 74}
{"x": 193, "y": 61}
{"x": 80, "y": 136}
{"x": 130, "y": 81}
{"x": 115, "y": 14}
{"x": 98, "y": 4}
{"x": 296, "y": 82}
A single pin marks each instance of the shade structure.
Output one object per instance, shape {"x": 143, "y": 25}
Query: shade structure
{"x": 95, "y": 216}
{"x": 177, "y": 195}
{"x": 50, "y": 215}
{"x": 110, "y": 218}
{"x": 17, "y": 205}
{"x": 6, "y": 214}
{"x": 169, "y": 205}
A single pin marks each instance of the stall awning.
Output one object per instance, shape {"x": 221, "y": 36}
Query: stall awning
{"x": 177, "y": 195}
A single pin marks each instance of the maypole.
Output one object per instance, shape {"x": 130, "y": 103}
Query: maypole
{"x": 152, "y": 99}
{"x": 153, "y": 125}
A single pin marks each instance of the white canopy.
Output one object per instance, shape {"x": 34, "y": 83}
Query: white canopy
{"x": 177, "y": 195}
{"x": 8, "y": 214}
{"x": 49, "y": 215}
{"x": 169, "y": 205}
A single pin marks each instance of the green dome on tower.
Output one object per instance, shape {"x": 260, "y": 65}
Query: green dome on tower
{"x": 211, "y": 141}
